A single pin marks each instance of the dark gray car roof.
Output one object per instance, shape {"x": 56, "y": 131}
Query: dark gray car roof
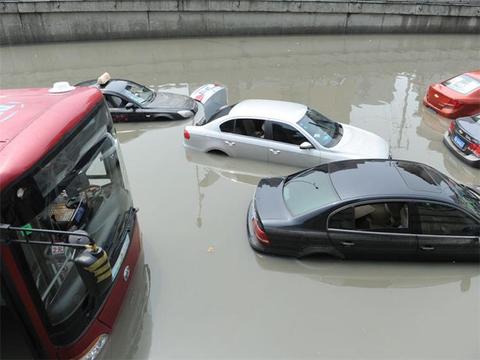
{"x": 389, "y": 178}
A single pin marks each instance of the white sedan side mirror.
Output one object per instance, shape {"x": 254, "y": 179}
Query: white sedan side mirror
{"x": 306, "y": 145}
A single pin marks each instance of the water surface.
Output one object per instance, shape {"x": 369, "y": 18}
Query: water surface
{"x": 212, "y": 297}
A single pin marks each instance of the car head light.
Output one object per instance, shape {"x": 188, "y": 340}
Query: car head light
{"x": 185, "y": 113}
{"x": 95, "y": 348}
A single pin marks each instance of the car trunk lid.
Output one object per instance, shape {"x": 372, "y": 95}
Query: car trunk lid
{"x": 469, "y": 128}
{"x": 440, "y": 96}
{"x": 269, "y": 203}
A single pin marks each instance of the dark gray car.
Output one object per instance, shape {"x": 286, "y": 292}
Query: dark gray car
{"x": 366, "y": 209}
{"x": 129, "y": 101}
{"x": 463, "y": 139}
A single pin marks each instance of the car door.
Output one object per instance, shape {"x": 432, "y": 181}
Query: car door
{"x": 243, "y": 138}
{"x": 121, "y": 110}
{"x": 379, "y": 229}
{"x": 445, "y": 232}
{"x": 284, "y": 146}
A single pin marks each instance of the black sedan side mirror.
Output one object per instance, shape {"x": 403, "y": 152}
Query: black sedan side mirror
{"x": 306, "y": 145}
{"x": 130, "y": 106}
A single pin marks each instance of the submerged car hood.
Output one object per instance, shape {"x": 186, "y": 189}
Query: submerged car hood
{"x": 470, "y": 126}
{"x": 360, "y": 143}
{"x": 166, "y": 100}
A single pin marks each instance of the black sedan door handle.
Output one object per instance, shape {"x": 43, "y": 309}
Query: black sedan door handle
{"x": 427, "y": 248}
{"x": 347, "y": 243}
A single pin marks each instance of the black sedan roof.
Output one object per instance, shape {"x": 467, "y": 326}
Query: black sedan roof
{"x": 389, "y": 178}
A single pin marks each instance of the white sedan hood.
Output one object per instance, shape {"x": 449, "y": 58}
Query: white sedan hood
{"x": 362, "y": 144}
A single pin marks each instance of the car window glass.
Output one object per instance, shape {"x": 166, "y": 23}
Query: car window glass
{"x": 287, "y": 134}
{"x": 114, "y": 101}
{"x": 248, "y": 127}
{"x": 463, "y": 84}
{"x": 342, "y": 220}
{"x": 308, "y": 191}
{"x": 139, "y": 93}
{"x": 390, "y": 217}
{"x": 381, "y": 216}
{"x": 326, "y": 132}
{"x": 227, "y": 126}
{"x": 435, "y": 219}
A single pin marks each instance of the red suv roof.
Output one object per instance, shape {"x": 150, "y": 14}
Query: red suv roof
{"x": 33, "y": 121}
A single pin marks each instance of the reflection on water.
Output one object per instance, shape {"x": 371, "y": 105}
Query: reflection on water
{"x": 374, "y": 274}
{"x": 129, "y": 131}
{"x": 236, "y": 170}
{"x": 209, "y": 304}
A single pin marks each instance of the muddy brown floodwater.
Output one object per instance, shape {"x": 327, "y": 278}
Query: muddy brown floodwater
{"x": 212, "y": 297}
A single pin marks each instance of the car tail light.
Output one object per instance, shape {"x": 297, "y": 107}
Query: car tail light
{"x": 260, "y": 233}
{"x": 452, "y": 127}
{"x": 186, "y": 134}
{"x": 453, "y": 103}
{"x": 475, "y": 149}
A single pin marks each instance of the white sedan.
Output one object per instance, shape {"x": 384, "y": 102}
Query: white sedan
{"x": 281, "y": 132}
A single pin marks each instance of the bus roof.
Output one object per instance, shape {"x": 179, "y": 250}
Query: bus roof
{"x": 33, "y": 121}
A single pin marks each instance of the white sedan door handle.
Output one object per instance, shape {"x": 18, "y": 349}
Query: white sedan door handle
{"x": 274, "y": 152}
{"x": 229, "y": 143}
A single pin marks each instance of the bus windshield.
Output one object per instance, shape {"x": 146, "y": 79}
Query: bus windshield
{"x": 82, "y": 187}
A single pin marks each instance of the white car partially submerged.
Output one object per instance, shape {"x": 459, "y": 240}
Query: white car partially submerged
{"x": 277, "y": 131}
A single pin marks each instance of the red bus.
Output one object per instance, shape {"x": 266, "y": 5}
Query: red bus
{"x": 70, "y": 252}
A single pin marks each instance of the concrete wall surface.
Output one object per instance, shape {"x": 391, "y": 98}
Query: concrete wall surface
{"x": 33, "y": 21}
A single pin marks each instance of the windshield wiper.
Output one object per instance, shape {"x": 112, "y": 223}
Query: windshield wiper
{"x": 151, "y": 97}
{"x": 127, "y": 221}
{"x": 77, "y": 233}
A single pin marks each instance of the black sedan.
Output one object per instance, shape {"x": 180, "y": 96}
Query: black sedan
{"x": 129, "y": 101}
{"x": 366, "y": 209}
{"x": 463, "y": 139}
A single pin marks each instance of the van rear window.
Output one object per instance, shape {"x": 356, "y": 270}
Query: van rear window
{"x": 463, "y": 84}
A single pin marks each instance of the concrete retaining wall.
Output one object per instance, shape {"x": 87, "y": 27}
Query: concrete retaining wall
{"x": 65, "y": 20}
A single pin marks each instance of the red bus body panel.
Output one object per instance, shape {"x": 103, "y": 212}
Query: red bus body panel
{"x": 34, "y": 121}
{"x": 452, "y": 104}
{"x": 23, "y": 292}
{"x": 109, "y": 311}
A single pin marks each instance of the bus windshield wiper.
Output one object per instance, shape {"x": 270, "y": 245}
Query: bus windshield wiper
{"x": 73, "y": 237}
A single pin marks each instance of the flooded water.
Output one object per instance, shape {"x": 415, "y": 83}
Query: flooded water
{"x": 212, "y": 297}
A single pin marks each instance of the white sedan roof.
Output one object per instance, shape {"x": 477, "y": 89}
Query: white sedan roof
{"x": 272, "y": 109}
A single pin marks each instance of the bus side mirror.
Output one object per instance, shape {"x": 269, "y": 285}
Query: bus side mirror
{"x": 306, "y": 145}
{"x": 94, "y": 268}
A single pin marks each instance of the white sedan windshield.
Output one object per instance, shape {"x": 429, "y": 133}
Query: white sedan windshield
{"x": 325, "y": 131}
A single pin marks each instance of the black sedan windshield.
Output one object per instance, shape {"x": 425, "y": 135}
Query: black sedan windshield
{"x": 139, "y": 93}
{"x": 325, "y": 131}
{"x": 469, "y": 198}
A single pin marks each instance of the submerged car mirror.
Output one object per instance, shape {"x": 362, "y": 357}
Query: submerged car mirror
{"x": 306, "y": 145}
{"x": 130, "y": 106}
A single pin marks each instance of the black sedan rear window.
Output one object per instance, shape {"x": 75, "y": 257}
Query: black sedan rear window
{"x": 309, "y": 191}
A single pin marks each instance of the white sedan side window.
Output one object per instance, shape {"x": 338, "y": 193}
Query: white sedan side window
{"x": 248, "y": 127}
